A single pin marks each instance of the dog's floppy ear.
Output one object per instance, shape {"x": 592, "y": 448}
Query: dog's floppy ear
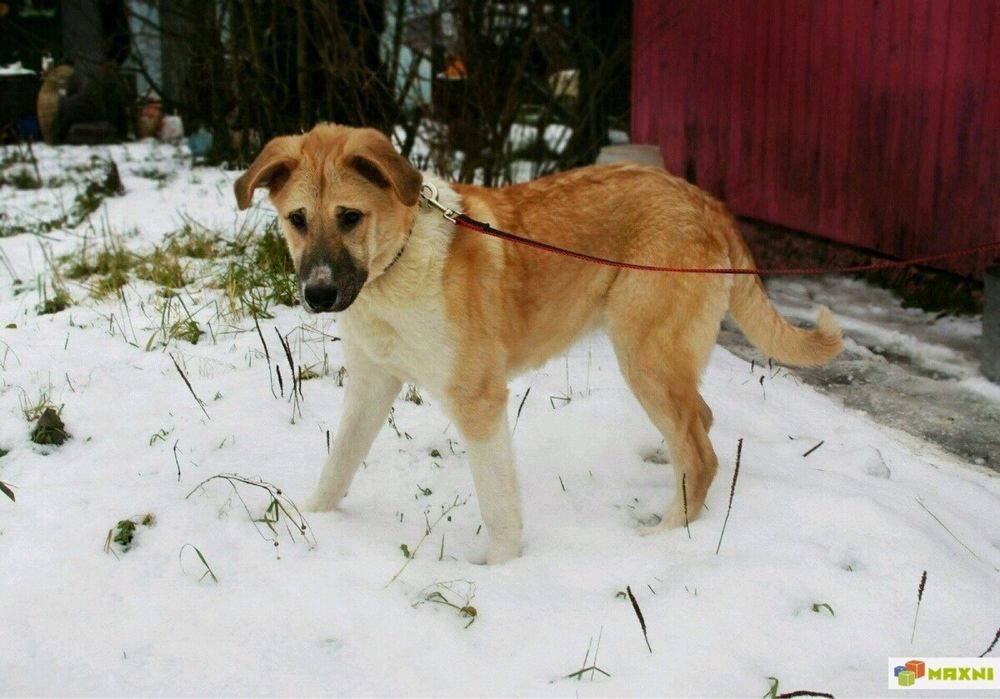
{"x": 271, "y": 169}
{"x": 378, "y": 162}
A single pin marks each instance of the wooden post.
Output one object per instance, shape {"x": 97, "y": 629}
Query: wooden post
{"x": 990, "y": 348}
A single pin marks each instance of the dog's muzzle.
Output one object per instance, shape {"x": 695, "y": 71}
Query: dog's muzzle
{"x": 332, "y": 296}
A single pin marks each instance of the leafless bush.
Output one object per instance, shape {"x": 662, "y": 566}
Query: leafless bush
{"x": 486, "y": 91}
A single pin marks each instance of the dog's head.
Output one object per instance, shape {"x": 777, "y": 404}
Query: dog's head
{"x": 345, "y": 199}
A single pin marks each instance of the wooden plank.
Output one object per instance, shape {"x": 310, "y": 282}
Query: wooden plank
{"x": 772, "y": 116}
{"x": 799, "y": 168}
{"x": 847, "y": 124}
{"x": 936, "y": 41}
{"x": 879, "y": 198}
{"x": 989, "y": 166}
{"x": 646, "y": 99}
{"x": 723, "y": 35}
{"x": 946, "y": 213}
{"x": 756, "y": 135}
{"x": 811, "y": 118}
{"x": 865, "y": 142}
{"x": 973, "y": 117}
{"x": 740, "y": 81}
{"x": 831, "y": 74}
{"x": 908, "y": 128}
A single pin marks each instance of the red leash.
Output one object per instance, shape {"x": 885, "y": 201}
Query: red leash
{"x": 480, "y": 227}
{"x": 429, "y": 195}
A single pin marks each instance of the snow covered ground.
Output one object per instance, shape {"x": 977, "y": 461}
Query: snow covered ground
{"x": 815, "y": 583}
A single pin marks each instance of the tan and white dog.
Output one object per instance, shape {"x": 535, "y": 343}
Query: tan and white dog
{"x": 460, "y": 313}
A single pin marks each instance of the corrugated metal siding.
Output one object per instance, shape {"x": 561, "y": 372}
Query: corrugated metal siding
{"x": 871, "y": 122}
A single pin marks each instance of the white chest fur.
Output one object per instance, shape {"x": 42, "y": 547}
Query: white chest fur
{"x": 412, "y": 343}
{"x": 400, "y": 319}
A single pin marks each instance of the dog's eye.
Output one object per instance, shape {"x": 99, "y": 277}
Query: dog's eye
{"x": 298, "y": 219}
{"x": 349, "y": 218}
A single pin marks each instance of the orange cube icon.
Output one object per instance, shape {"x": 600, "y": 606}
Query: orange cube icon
{"x": 917, "y": 667}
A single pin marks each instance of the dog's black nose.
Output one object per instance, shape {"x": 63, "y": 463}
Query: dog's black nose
{"x": 321, "y": 297}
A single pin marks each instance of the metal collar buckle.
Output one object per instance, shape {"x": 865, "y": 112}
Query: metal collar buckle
{"x": 428, "y": 199}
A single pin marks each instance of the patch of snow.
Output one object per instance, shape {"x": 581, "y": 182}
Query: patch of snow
{"x": 982, "y": 386}
{"x": 15, "y": 69}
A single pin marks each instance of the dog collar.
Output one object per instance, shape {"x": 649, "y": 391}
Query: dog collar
{"x": 400, "y": 253}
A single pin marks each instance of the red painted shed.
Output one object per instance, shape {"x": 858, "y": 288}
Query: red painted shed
{"x": 871, "y": 122}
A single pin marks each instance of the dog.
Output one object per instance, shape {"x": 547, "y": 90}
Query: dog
{"x": 459, "y": 313}
{"x": 56, "y": 83}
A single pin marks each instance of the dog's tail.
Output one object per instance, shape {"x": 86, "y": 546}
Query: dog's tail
{"x": 766, "y": 329}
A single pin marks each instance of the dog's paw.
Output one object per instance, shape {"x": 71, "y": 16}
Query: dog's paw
{"x": 648, "y": 530}
{"x": 672, "y": 520}
{"x": 499, "y": 556}
{"x": 503, "y": 549}
{"x": 477, "y": 555}
{"x": 318, "y": 503}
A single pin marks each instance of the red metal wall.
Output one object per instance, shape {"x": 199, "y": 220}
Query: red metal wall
{"x": 871, "y": 122}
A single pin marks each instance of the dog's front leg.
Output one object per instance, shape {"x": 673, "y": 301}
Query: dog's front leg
{"x": 483, "y": 422}
{"x": 492, "y": 464}
{"x": 369, "y": 395}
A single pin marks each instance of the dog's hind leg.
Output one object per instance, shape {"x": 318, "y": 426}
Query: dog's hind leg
{"x": 661, "y": 353}
{"x": 369, "y": 395}
{"x": 705, "y": 413}
{"x": 672, "y": 404}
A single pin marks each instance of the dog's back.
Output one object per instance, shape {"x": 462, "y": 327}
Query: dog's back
{"x": 633, "y": 214}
